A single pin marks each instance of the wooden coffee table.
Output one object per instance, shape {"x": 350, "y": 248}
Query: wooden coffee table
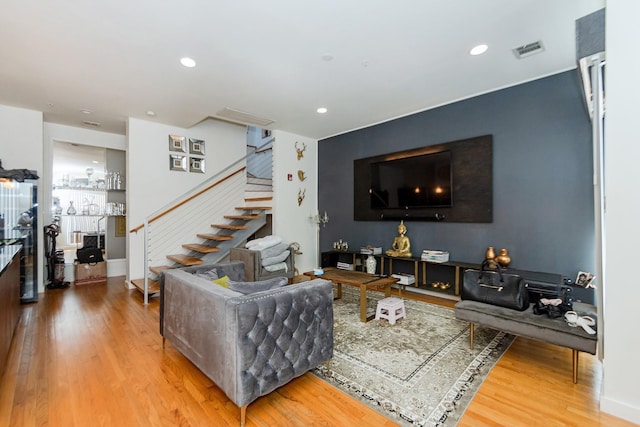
{"x": 365, "y": 281}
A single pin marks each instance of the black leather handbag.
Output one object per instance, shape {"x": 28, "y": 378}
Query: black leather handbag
{"x": 89, "y": 255}
{"x": 495, "y": 287}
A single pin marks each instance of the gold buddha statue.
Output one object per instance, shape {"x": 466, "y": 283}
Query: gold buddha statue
{"x": 401, "y": 246}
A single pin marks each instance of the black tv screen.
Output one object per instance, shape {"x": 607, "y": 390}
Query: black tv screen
{"x": 422, "y": 181}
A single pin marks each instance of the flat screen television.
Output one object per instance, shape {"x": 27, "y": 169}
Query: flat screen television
{"x": 421, "y": 181}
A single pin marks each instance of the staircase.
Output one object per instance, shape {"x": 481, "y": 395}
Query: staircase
{"x": 212, "y": 246}
{"x": 202, "y": 225}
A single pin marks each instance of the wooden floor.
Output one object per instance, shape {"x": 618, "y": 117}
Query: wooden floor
{"x": 92, "y": 356}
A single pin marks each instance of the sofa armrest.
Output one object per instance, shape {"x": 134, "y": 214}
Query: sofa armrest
{"x": 252, "y": 262}
{"x": 278, "y": 335}
{"x": 235, "y": 271}
{"x": 193, "y": 320}
{"x": 249, "y": 344}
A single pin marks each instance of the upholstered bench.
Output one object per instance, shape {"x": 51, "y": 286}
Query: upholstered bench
{"x": 529, "y": 325}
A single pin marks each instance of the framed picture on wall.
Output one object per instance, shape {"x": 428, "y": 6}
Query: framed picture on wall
{"x": 177, "y": 143}
{"x": 121, "y": 226}
{"x": 196, "y": 146}
{"x": 177, "y": 162}
{"x": 196, "y": 164}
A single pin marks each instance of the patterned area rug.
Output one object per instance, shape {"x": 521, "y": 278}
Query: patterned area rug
{"x": 419, "y": 371}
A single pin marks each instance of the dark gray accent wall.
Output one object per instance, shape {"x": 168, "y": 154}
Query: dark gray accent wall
{"x": 542, "y": 177}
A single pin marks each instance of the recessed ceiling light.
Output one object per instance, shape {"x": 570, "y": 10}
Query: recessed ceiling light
{"x": 95, "y": 162}
{"x": 327, "y": 57}
{"x": 151, "y": 113}
{"x": 188, "y": 62}
{"x": 479, "y": 50}
{"x": 84, "y": 111}
{"x": 321, "y": 110}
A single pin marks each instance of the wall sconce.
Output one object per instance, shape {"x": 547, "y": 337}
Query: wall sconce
{"x": 321, "y": 219}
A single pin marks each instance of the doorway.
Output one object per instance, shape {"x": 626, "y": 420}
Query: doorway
{"x": 88, "y": 200}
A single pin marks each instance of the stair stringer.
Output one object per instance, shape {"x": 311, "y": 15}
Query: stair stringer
{"x": 181, "y": 224}
{"x": 239, "y": 238}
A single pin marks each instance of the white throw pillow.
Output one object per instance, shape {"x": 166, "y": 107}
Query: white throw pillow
{"x": 263, "y": 243}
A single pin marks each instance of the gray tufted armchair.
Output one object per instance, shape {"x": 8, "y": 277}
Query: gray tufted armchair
{"x": 251, "y": 344}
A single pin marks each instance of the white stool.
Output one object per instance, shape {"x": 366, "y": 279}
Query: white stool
{"x": 391, "y": 308}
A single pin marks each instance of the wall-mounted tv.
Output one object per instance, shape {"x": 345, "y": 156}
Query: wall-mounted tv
{"x": 450, "y": 182}
{"x": 422, "y": 181}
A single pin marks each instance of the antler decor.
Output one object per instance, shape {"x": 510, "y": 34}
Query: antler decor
{"x": 301, "y": 176}
{"x": 301, "y": 194}
{"x": 300, "y": 151}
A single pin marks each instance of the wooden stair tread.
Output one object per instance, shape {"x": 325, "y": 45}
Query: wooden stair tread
{"x": 185, "y": 259}
{"x": 242, "y": 216}
{"x": 230, "y": 226}
{"x": 217, "y": 237}
{"x": 205, "y": 249}
{"x": 253, "y": 208}
{"x": 157, "y": 269}
{"x": 257, "y": 199}
{"x": 154, "y": 287}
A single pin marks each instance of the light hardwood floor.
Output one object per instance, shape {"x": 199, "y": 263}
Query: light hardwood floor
{"x": 92, "y": 356}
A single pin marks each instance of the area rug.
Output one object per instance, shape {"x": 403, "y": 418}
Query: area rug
{"x": 419, "y": 371}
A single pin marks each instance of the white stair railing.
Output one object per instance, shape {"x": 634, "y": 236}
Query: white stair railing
{"x": 178, "y": 222}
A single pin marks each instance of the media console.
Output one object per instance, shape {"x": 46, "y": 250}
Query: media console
{"x": 433, "y": 277}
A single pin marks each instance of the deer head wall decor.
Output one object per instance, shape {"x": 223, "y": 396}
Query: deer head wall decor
{"x": 301, "y": 194}
{"x": 300, "y": 151}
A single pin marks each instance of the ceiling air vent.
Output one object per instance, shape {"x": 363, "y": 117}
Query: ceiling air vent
{"x": 91, "y": 124}
{"x": 528, "y": 49}
{"x": 242, "y": 117}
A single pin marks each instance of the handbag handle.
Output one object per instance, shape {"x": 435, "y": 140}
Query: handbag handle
{"x": 485, "y": 267}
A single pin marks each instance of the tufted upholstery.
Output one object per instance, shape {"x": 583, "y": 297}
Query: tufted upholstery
{"x": 249, "y": 345}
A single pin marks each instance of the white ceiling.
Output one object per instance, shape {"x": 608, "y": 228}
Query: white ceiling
{"x": 120, "y": 58}
{"x": 73, "y": 160}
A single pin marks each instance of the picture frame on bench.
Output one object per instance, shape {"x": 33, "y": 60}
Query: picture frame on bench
{"x": 584, "y": 279}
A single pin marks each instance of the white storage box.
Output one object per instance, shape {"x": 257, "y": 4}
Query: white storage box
{"x": 405, "y": 279}
{"x": 344, "y": 266}
{"x": 371, "y": 250}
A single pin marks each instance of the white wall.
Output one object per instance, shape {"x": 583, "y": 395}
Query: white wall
{"x": 21, "y": 138}
{"x": 21, "y": 148}
{"x": 152, "y": 185}
{"x": 290, "y": 221}
{"x": 622, "y": 218}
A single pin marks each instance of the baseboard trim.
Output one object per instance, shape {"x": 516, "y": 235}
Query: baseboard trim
{"x": 620, "y": 409}
{"x": 116, "y": 267}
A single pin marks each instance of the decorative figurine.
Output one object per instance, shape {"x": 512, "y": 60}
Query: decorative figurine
{"x": 490, "y": 257}
{"x": 300, "y": 151}
{"x": 504, "y": 259}
{"x": 401, "y": 246}
{"x": 301, "y": 193}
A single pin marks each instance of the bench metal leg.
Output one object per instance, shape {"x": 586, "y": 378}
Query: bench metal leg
{"x": 574, "y": 356}
{"x": 471, "y": 333}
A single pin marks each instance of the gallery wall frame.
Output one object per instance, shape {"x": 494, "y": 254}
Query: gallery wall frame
{"x": 182, "y": 162}
{"x": 196, "y": 146}
{"x": 177, "y": 143}
{"x": 196, "y": 164}
{"x": 177, "y": 162}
